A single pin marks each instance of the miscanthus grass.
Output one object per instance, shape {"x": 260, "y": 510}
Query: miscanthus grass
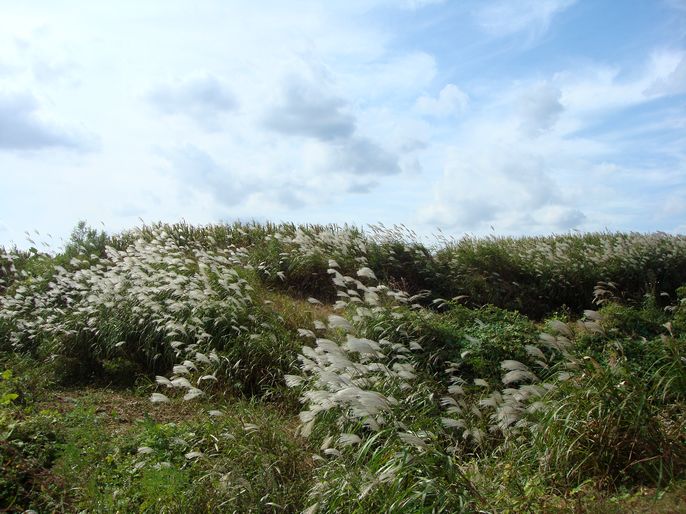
{"x": 394, "y": 437}
{"x": 158, "y": 302}
{"x": 411, "y": 402}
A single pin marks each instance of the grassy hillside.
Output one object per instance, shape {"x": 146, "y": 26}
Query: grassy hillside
{"x": 272, "y": 368}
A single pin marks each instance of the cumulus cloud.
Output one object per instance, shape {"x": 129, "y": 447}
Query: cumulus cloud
{"x": 23, "y": 128}
{"x": 673, "y": 84}
{"x": 201, "y": 172}
{"x": 348, "y": 158}
{"x": 6, "y": 69}
{"x": 306, "y": 109}
{"x": 202, "y": 97}
{"x": 361, "y": 156}
{"x": 539, "y": 108}
{"x": 46, "y": 70}
{"x": 507, "y": 17}
{"x": 560, "y": 217}
{"x": 675, "y": 203}
{"x": 288, "y": 196}
{"x": 601, "y": 88}
{"x": 504, "y": 186}
{"x": 450, "y": 100}
{"x": 362, "y": 187}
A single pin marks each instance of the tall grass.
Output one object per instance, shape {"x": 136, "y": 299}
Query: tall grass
{"x": 424, "y": 385}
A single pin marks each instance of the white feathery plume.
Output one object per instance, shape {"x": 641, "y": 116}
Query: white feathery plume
{"x": 349, "y": 439}
{"x": 336, "y": 321}
{"x": 561, "y": 327}
{"x": 534, "y": 351}
{"x": 180, "y": 370}
{"x": 366, "y": 272}
{"x": 293, "y": 380}
{"x": 411, "y": 439}
{"x": 163, "y": 381}
{"x": 201, "y": 357}
{"x": 512, "y": 365}
{"x": 193, "y": 393}
{"x": 158, "y": 398}
{"x": 181, "y": 382}
{"x": 453, "y": 423}
{"x": 518, "y": 375}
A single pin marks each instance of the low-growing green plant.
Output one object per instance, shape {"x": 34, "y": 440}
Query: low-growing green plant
{"x": 7, "y": 394}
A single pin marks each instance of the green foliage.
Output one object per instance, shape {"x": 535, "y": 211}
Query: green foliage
{"x": 461, "y": 377}
{"x": 537, "y": 275}
{"x": 84, "y": 241}
{"x": 239, "y": 461}
{"x": 477, "y": 338}
{"x": 7, "y": 395}
{"x": 83, "y": 460}
{"x": 613, "y": 426}
{"x": 27, "y": 451}
{"x": 645, "y": 321}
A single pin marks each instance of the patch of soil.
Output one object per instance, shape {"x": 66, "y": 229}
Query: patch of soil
{"x": 120, "y": 409}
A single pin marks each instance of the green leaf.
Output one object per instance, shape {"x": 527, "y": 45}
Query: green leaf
{"x": 8, "y": 398}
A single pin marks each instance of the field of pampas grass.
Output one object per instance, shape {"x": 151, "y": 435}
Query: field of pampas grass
{"x": 284, "y": 368}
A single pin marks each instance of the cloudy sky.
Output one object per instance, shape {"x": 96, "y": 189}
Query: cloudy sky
{"x": 513, "y": 116}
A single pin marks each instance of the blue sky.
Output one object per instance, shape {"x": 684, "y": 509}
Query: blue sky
{"x": 480, "y": 117}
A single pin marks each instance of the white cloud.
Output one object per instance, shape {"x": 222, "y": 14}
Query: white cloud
{"x": 315, "y": 104}
{"x": 601, "y": 88}
{"x": 307, "y": 109}
{"x": 361, "y": 156}
{"x": 201, "y": 96}
{"x": 674, "y": 83}
{"x": 675, "y": 204}
{"x": 518, "y": 162}
{"x": 560, "y": 217}
{"x": 486, "y": 183}
{"x": 419, "y": 4}
{"x": 201, "y": 172}
{"x": 24, "y": 127}
{"x": 540, "y": 108}
{"x": 507, "y": 17}
{"x": 356, "y": 156}
{"x": 451, "y": 100}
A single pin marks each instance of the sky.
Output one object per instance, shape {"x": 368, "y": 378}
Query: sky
{"x": 506, "y": 117}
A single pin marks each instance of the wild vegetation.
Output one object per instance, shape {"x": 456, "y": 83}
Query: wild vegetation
{"x": 283, "y": 368}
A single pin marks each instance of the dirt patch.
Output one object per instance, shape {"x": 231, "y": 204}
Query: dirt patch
{"x": 119, "y": 409}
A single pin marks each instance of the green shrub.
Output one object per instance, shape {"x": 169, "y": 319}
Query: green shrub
{"x": 610, "y": 426}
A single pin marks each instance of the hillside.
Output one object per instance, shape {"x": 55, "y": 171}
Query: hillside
{"x": 283, "y": 368}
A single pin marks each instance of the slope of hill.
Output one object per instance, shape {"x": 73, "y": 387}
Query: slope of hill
{"x": 264, "y": 368}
